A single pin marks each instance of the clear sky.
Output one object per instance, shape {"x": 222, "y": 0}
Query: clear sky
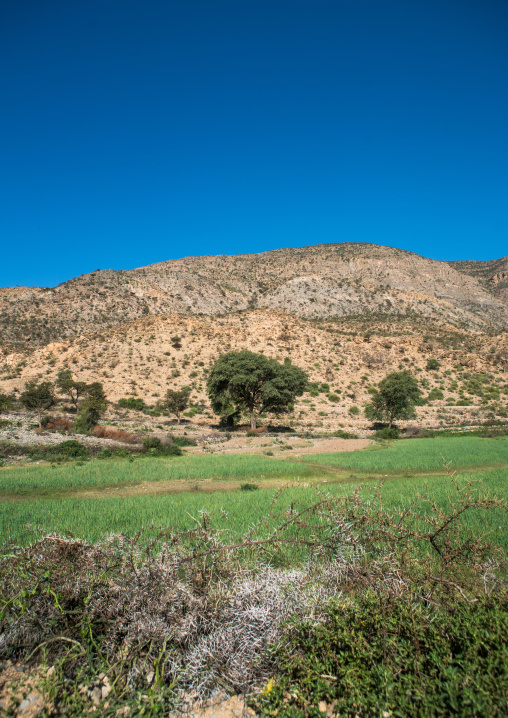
{"x": 134, "y": 131}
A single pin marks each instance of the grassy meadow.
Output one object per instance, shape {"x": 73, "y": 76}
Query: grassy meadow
{"x": 470, "y": 451}
{"x": 101, "y": 473}
{"x": 40, "y": 497}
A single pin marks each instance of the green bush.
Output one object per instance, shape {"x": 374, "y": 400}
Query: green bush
{"x": 153, "y": 445}
{"x": 387, "y": 433}
{"x": 435, "y": 394}
{"x": 378, "y": 656}
{"x": 249, "y": 487}
{"x": 432, "y": 365}
{"x": 131, "y": 402}
{"x": 354, "y": 411}
{"x": 345, "y": 434}
{"x": 182, "y": 441}
{"x": 64, "y": 451}
{"x": 72, "y": 449}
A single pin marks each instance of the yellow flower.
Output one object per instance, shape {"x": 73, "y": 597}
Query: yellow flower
{"x": 268, "y": 688}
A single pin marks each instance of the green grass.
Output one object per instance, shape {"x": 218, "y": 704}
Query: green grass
{"x": 46, "y": 504}
{"x": 420, "y": 454}
{"x": 28, "y": 479}
{"x": 234, "y": 511}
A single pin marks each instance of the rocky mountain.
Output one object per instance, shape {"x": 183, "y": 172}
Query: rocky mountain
{"x": 321, "y": 281}
{"x": 492, "y": 275}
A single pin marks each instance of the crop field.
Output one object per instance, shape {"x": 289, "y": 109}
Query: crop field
{"x": 231, "y": 511}
{"x": 29, "y": 479}
{"x": 236, "y": 511}
{"x": 421, "y": 454}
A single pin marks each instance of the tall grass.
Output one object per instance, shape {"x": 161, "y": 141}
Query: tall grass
{"x": 420, "y": 454}
{"x": 122, "y": 471}
{"x": 233, "y": 511}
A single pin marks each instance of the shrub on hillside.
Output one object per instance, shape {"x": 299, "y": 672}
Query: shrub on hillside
{"x": 131, "y": 402}
{"x": 432, "y": 365}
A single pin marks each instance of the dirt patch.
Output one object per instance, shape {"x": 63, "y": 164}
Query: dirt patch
{"x": 277, "y": 446}
{"x": 18, "y": 691}
{"x": 219, "y": 706}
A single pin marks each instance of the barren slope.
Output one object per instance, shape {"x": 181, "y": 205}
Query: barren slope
{"x": 329, "y": 280}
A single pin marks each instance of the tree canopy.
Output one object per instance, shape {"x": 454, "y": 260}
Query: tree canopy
{"x": 91, "y": 408}
{"x": 395, "y": 398}
{"x": 66, "y": 383}
{"x": 175, "y": 402}
{"x": 248, "y": 382}
{"x": 38, "y": 397}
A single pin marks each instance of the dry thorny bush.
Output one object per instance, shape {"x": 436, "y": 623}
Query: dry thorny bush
{"x": 200, "y": 612}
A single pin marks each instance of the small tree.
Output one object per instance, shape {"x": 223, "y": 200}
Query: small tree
{"x": 5, "y": 401}
{"x": 245, "y": 381}
{"x": 91, "y": 409}
{"x": 395, "y": 398}
{"x": 67, "y": 385}
{"x": 38, "y": 397}
{"x": 176, "y": 402}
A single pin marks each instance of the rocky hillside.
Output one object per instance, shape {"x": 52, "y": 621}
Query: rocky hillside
{"x": 145, "y": 357}
{"x": 492, "y": 275}
{"x": 322, "y": 281}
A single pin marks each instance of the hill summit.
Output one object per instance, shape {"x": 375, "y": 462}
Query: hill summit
{"x": 321, "y": 281}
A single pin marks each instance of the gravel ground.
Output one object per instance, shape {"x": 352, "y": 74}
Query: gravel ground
{"x": 28, "y": 434}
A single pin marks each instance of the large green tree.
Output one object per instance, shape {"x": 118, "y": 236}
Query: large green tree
{"x": 248, "y": 382}
{"x": 395, "y": 398}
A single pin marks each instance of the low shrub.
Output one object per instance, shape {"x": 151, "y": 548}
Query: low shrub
{"x": 435, "y": 394}
{"x": 106, "y": 432}
{"x": 432, "y": 365}
{"x": 249, "y": 487}
{"x": 65, "y": 451}
{"x": 154, "y": 446}
{"x": 341, "y": 434}
{"x": 183, "y": 440}
{"x": 57, "y": 423}
{"x": 381, "y": 655}
{"x": 131, "y": 402}
{"x": 387, "y": 433}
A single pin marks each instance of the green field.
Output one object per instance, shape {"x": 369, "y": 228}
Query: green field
{"x": 421, "y": 454}
{"x": 30, "y": 479}
{"x": 235, "y": 511}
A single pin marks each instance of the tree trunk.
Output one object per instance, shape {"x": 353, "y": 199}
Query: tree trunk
{"x": 252, "y": 419}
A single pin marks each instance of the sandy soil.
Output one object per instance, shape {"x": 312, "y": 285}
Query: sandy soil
{"x": 280, "y": 445}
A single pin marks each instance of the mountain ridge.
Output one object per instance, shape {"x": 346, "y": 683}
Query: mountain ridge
{"x": 319, "y": 281}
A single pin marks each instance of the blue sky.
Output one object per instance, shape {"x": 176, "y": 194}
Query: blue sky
{"x": 133, "y": 132}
